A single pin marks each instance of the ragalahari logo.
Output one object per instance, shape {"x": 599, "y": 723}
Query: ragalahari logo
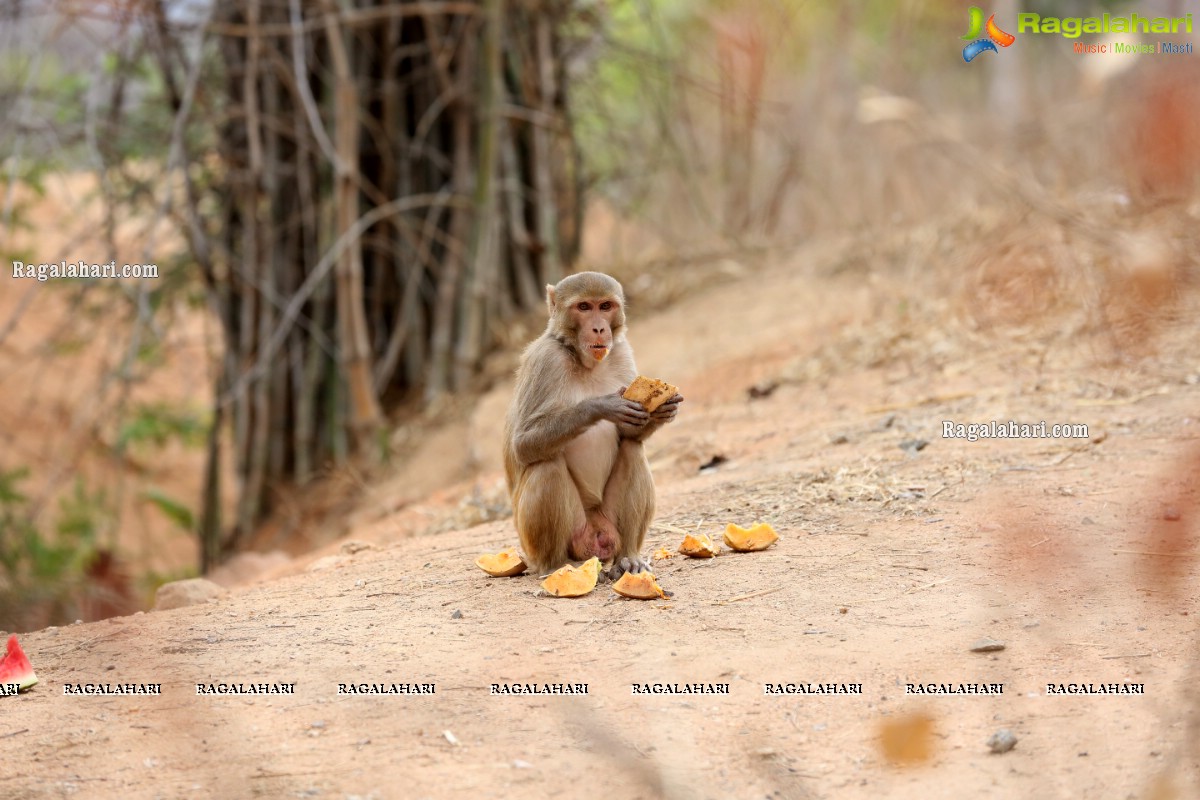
{"x": 995, "y": 36}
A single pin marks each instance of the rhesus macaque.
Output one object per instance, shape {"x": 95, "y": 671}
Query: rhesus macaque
{"x": 573, "y": 455}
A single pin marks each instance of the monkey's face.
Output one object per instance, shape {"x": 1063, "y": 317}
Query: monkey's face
{"x": 587, "y": 313}
{"x": 595, "y": 322}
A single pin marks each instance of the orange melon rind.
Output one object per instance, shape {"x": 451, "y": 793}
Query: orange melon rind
{"x": 504, "y": 564}
{"x": 759, "y": 536}
{"x": 640, "y": 586}
{"x": 571, "y": 581}
{"x": 699, "y": 545}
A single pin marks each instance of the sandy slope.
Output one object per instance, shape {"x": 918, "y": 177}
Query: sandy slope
{"x": 890, "y": 566}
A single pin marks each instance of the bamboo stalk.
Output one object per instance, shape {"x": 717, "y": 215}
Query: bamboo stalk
{"x": 481, "y": 257}
{"x": 525, "y": 280}
{"x": 305, "y": 355}
{"x": 209, "y": 531}
{"x": 547, "y": 228}
{"x": 442, "y": 340}
{"x": 364, "y": 411}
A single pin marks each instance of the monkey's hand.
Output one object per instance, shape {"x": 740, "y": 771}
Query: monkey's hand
{"x": 627, "y": 415}
{"x": 668, "y": 410}
{"x": 634, "y": 564}
{"x": 661, "y": 416}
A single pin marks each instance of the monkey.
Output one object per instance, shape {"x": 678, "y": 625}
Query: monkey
{"x": 573, "y": 446}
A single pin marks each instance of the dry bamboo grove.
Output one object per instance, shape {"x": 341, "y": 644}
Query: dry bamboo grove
{"x": 390, "y": 182}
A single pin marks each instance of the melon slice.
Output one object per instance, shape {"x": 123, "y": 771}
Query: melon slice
{"x": 649, "y": 392}
{"x": 504, "y": 564}
{"x": 571, "y": 581}
{"x": 15, "y": 667}
{"x": 640, "y": 586}
{"x": 699, "y": 545}
{"x": 662, "y": 553}
{"x": 758, "y": 536}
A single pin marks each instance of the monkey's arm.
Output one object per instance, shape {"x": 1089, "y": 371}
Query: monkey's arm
{"x": 545, "y": 432}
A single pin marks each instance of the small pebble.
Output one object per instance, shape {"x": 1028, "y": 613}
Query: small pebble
{"x": 986, "y": 645}
{"x": 456, "y": 615}
{"x": 1002, "y": 741}
{"x": 1171, "y": 514}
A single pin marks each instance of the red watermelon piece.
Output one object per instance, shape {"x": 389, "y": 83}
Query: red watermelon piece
{"x": 15, "y": 667}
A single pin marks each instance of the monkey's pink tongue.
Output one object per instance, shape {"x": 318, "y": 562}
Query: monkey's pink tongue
{"x": 599, "y": 353}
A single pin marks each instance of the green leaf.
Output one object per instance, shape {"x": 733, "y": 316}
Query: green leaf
{"x": 176, "y": 511}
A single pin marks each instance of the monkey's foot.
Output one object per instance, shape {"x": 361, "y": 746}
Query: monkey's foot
{"x": 634, "y": 564}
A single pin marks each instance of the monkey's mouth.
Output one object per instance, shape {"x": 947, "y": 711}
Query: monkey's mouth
{"x": 599, "y": 351}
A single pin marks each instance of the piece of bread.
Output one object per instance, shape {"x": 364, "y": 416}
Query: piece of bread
{"x": 649, "y": 392}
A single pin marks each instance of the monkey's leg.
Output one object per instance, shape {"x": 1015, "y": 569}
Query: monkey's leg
{"x": 629, "y": 503}
{"x": 546, "y": 510}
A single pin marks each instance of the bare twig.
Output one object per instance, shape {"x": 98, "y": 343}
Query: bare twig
{"x": 741, "y": 597}
{"x": 1129, "y": 655}
{"x": 299, "y": 64}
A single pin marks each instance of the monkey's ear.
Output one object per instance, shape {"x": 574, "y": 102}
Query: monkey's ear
{"x": 550, "y": 298}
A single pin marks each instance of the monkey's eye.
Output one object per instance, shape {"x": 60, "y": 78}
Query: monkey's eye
{"x": 585, "y": 306}
{"x": 606, "y": 306}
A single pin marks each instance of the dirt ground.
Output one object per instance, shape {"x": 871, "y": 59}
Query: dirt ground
{"x": 892, "y": 563}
